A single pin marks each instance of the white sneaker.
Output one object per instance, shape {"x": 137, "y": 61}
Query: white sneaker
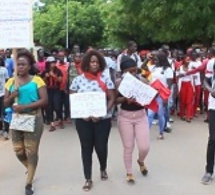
{"x": 207, "y": 178}
{"x": 155, "y": 122}
{"x": 5, "y": 135}
{"x": 168, "y": 125}
{"x": 171, "y": 120}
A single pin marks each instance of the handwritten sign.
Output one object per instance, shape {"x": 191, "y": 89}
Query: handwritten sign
{"x": 16, "y": 23}
{"x": 83, "y": 105}
{"x": 131, "y": 87}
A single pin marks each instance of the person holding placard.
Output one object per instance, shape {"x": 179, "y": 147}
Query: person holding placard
{"x": 94, "y": 132}
{"x": 27, "y": 95}
{"x": 133, "y": 124}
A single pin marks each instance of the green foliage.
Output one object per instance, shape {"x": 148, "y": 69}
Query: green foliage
{"x": 96, "y": 22}
{"x": 85, "y": 24}
{"x": 171, "y": 21}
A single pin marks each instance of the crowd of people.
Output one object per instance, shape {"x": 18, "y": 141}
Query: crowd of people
{"x": 44, "y": 88}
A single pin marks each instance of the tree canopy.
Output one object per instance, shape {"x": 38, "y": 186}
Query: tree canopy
{"x": 112, "y": 24}
{"x": 85, "y": 24}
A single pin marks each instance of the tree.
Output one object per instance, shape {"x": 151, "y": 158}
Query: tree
{"x": 85, "y": 24}
{"x": 166, "y": 21}
{"x": 96, "y": 22}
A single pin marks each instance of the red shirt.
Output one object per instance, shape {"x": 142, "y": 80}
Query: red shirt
{"x": 64, "y": 70}
{"x": 41, "y": 66}
{"x": 52, "y": 81}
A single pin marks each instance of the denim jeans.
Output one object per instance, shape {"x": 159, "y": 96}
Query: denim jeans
{"x": 167, "y": 108}
{"x": 160, "y": 113}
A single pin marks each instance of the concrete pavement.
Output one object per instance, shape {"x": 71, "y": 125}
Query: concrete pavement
{"x": 175, "y": 165}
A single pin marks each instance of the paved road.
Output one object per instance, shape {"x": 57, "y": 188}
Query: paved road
{"x": 175, "y": 165}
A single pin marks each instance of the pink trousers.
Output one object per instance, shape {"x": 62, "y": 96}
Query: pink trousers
{"x": 134, "y": 126}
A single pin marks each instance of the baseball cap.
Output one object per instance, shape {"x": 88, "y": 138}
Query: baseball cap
{"x": 51, "y": 59}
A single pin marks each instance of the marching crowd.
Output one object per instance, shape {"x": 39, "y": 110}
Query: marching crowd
{"x": 184, "y": 81}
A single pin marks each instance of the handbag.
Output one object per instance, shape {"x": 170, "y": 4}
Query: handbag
{"x": 23, "y": 122}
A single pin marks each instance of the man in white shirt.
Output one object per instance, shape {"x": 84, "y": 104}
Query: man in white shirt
{"x": 131, "y": 51}
{"x": 210, "y": 85}
{"x": 111, "y": 65}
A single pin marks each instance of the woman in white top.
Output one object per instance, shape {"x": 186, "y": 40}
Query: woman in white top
{"x": 197, "y": 81}
{"x": 162, "y": 72}
{"x": 94, "y": 132}
{"x": 186, "y": 90}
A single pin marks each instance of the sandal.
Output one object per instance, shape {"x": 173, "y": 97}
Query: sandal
{"x": 88, "y": 185}
{"x": 161, "y": 137}
{"x": 104, "y": 175}
{"x": 143, "y": 168}
{"x": 130, "y": 179}
{"x": 189, "y": 120}
{"x": 52, "y": 128}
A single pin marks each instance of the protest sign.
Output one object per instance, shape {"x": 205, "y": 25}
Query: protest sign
{"x": 16, "y": 24}
{"x": 84, "y": 105}
{"x": 131, "y": 87}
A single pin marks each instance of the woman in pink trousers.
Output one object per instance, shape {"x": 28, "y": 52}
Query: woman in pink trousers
{"x": 133, "y": 125}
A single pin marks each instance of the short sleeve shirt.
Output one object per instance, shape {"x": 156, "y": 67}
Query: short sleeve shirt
{"x": 51, "y": 81}
{"x": 197, "y": 79}
{"x": 28, "y": 93}
{"x": 162, "y": 75}
{"x": 81, "y": 84}
{"x": 110, "y": 63}
{"x": 134, "y": 56}
{"x": 210, "y": 74}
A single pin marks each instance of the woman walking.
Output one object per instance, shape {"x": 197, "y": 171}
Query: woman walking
{"x": 133, "y": 125}
{"x": 94, "y": 132}
{"x": 186, "y": 90}
{"x": 164, "y": 74}
{"x": 30, "y": 97}
{"x": 52, "y": 77}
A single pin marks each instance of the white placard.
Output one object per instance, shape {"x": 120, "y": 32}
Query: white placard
{"x": 131, "y": 87}
{"x": 16, "y": 23}
{"x": 84, "y": 105}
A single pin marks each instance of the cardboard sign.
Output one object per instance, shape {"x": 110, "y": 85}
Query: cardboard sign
{"x": 131, "y": 87}
{"x": 84, "y": 105}
{"x": 16, "y": 24}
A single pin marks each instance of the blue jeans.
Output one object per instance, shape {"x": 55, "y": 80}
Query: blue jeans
{"x": 169, "y": 105}
{"x": 160, "y": 112}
